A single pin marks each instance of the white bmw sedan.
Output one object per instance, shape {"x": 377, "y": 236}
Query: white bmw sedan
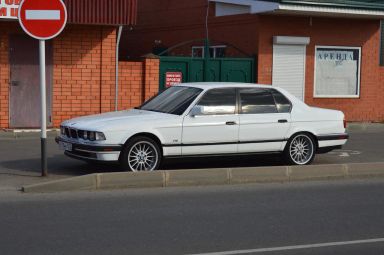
{"x": 206, "y": 119}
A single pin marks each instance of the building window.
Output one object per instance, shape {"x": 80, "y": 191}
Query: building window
{"x": 197, "y": 51}
{"x": 337, "y": 72}
{"x": 217, "y": 51}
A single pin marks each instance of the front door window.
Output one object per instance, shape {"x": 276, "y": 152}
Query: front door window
{"x": 218, "y": 102}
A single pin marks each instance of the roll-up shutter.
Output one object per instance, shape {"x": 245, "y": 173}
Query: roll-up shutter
{"x": 289, "y": 68}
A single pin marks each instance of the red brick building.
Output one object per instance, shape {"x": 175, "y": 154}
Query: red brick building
{"x": 81, "y": 71}
{"x": 327, "y": 52}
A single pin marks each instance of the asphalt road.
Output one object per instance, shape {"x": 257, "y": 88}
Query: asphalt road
{"x": 319, "y": 217}
{"x": 20, "y": 159}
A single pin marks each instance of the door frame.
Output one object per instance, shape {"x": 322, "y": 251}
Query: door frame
{"x": 292, "y": 41}
{"x": 49, "y": 59}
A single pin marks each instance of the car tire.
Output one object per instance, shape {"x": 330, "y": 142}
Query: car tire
{"x": 300, "y": 149}
{"x": 141, "y": 154}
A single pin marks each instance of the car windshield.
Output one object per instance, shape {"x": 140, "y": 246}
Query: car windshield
{"x": 174, "y": 100}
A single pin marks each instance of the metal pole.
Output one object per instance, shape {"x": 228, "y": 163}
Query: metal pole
{"x": 206, "y": 60}
{"x": 206, "y": 46}
{"x": 117, "y": 68}
{"x": 44, "y": 168}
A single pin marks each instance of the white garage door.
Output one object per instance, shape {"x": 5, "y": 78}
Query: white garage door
{"x": 289, "y": 68}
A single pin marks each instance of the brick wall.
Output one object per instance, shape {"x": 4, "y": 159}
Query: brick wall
{"x": 4, "y": 77}
{"x": 84, "y": 74}
{"x": 130, "y": 84}
{"x": 138, "y": 81}
{"x": 151, "y": 77}
{"x": 330, "y": 32}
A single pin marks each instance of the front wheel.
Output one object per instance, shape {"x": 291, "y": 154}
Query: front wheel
{"x": 141, "y": 154}
{"x": 300, "y": 150}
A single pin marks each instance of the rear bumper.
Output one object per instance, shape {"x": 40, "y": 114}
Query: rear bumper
{"x": 89, "y": 152}
{"x": 331, "y": 142}
{"x": 333, "y": 137}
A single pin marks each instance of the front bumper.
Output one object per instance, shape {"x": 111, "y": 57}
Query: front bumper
{"x": 91, "y": 152}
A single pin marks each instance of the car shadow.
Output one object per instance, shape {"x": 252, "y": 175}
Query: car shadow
{"x": 62, "y": 165}
{"x": 57, "y": 165}
{"x": 222, "y": 162}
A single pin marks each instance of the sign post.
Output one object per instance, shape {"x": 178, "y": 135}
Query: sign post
{"x": 44, "y": 162}
{"x": 43, "y": 20}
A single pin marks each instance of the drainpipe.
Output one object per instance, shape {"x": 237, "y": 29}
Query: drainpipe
{"x": 206, "y": 46}
{"x": 117, "y": 67}
{"x": 206, "y": 60}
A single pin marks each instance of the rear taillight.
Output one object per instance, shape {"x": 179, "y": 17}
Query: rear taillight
{"x": 345, "y": 123}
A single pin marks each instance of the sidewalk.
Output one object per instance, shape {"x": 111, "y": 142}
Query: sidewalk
{"x": 8, "y": 134}
{"x": 20, "y": 157}
{"x": 365, "y": 127}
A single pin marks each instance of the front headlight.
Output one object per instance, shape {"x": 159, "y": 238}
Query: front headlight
{"x": 91, "y": 135}
{"x": 96, "y": 136}
{"x": 62, "y": 130}
{"x": 100, "y": 136}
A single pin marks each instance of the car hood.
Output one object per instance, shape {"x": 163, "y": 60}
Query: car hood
{"x": 115, "y": 119}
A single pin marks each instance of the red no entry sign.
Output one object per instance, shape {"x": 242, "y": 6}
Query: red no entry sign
{"x": 42, "y": 19}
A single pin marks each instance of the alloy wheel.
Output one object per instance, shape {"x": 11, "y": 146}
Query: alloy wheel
{"x": 301, "y": 149}
{"x": 142, "y": 156}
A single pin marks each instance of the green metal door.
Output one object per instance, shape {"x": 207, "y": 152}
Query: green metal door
{"x": 218, "y": 69}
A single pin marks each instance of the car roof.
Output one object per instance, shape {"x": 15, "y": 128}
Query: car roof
{"x": 211, "y": 85}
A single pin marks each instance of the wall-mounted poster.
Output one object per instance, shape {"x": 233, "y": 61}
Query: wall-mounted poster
{"x": 337, "y": 72}
{"x": 9, "y": 9}
{"x": 173, "y": 78}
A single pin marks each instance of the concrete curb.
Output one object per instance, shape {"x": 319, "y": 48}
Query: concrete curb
{"x": 203, "y": 177}
{"x": 31, "y": 133}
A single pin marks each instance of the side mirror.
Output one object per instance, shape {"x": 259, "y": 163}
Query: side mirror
{"x": 196, "y": 111}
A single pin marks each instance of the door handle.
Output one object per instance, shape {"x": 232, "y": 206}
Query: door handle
{"x": 283, "y": 121}
{"x": 230, "y": 123}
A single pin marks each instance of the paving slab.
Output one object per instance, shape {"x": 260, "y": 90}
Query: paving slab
{"x": 312, "y": 172}
{"x": 198, "y": 177}
{"x": 259, "y": 175}
{"x": 130, "y": 180}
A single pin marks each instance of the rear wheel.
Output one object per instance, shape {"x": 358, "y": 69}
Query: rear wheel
{"x": 141, "y": 154}
{"x": 300, "y": 150}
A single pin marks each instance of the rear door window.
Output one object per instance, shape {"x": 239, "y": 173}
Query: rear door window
{"x": 257, "y": 101}
{"x": 282, "y": 103}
